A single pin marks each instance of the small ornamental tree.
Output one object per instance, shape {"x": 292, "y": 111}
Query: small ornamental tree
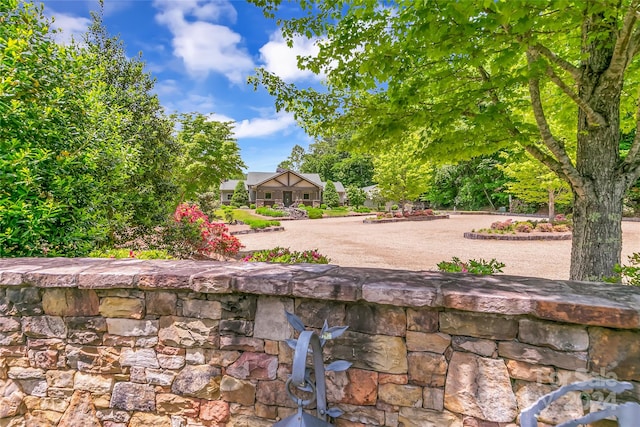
{"x": 240, "y": 195}
{"x": 190, "y": 235}
{"x": 330, "y": 196}
{"x": 356, "y": 196}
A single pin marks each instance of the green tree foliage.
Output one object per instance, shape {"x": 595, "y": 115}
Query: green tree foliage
{"x": 472, "y": 184}
{"x": 48, "y": 156}
{"x": 472, "y": 77}
{"x": 86, "y": 152}
{"x": 400, "y": 174}
{"x": 330, "y": 195}
{"x": 136, "y": 180}
{"x": 295, "y": 159}
{"x": 532, "y": 182}
{"x": 356, "y": 196}
{"x": 326, "y": 159}
{"x": 240, "y": 195}
{"x": 209, "y": 154}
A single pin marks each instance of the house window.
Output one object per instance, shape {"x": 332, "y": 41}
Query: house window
{"x": 267, "y": 196}
{"x": 305, "y": 196}
{"x": 229, "y": 196}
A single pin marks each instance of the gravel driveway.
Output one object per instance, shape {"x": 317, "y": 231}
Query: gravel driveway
{"x": 421, "y": 245}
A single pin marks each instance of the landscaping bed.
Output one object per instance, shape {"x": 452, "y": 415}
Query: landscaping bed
{"x": 416, "y": 218}
{"x": 556, "y": 229}
{"x": 518, "y": 236}
{"x": 426, "y": 215}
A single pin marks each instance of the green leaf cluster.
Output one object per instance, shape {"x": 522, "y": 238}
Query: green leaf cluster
{"x": 287, "y": 256}
{"x": 356, "y": 196}
{"x": 471, "y": 266}
{"x": 325, "y": 158}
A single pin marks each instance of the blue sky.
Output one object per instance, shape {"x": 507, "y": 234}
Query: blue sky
{"x": 201, "y": 53}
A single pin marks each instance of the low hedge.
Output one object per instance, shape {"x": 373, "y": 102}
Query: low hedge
{"x": 266, "y": 211}
{"x": 261, "y": 223}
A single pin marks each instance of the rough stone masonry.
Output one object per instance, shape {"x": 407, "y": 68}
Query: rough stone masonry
{"x": 131, "y": 343}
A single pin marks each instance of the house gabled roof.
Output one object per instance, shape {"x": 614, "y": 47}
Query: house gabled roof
{"x": 258, "y": 178}
{"x": 339, "y": 186}
{"x": 230, "y": 185}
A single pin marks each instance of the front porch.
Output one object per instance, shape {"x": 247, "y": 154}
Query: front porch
{"x": 280, "y": 202}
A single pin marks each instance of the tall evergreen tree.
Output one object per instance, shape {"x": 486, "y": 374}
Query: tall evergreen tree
{"x": 330, "y": 195}
{"x": 240, "y": 195}
{"x": 146, "y": 192}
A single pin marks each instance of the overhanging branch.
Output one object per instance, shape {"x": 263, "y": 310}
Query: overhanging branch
{"x": 626, "y": 43}
{"x": 561, "y": 156}
{"x": 575, "y": 72}
{"x": 594, "y": 118}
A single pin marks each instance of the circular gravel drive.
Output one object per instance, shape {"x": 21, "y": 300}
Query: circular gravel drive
{"x": 421, "y": 245}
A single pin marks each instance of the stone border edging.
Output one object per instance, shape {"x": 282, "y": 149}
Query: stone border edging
{"x": 257, "y": 230}
{"x": 587, "y": 303}
{"x": 404, "y": 219}
{"x": 541, "y": 236}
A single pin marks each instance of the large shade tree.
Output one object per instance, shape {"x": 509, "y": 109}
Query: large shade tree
{"x": 474, "y": 76}
{"x": 209, "y": 154}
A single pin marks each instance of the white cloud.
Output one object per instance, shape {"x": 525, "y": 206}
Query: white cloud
{"x": 282, "y": 60}
{"x": 69, "y": 27}
{"x": 209, "y": 10}
{"x": 111, "y": 7}
{"x": 167, "y": 87}
{"x": 215, "y": 117}
{"x": 260, "y": 127}
{"x": 203, "y": 46}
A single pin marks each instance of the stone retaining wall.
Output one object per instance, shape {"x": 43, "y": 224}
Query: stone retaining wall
{"x": 115, "y": 343}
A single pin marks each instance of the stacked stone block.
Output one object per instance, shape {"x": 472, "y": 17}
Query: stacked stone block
{"x": 177, "y": 347}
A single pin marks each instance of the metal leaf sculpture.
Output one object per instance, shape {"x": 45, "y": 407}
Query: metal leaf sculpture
{"x": 326, "y": 333}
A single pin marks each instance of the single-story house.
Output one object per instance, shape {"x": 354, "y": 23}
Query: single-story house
{"x": 283, "y": 187}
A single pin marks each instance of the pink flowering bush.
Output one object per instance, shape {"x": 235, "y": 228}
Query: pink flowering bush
{"x": 502, "y": 225}
{"x": 419, "y": 212}
{"x": 524, "y": 227}
{"x": 545, "y": 227}
{"x": 287, "y": 256}
{"x": 191, "y": 234}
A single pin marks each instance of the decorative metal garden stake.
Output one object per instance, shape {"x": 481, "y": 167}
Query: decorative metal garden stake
{"x": 301, "y": 378}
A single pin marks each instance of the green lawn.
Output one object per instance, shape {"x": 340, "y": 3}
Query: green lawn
{"x": 249, "y": 217}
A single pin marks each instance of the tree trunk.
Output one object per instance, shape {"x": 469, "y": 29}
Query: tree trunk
{"x": 597, "y": 219}
{"x": 597, "y": 235}
{"x": 552, "y": 205}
